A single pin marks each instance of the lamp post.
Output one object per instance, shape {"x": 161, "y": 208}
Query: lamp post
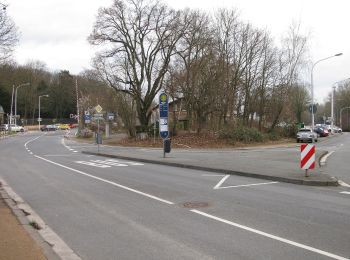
{"x": 22, "y": 85}
{"x": 332, "y": 103}
{"x": 39, "y": 119}
{"x": 312, "y": 87}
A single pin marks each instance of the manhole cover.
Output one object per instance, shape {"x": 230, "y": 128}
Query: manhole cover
{"x": 195, "y": 205}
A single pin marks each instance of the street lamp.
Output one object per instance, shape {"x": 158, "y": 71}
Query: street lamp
{"x": 312, "y": 87}
{"x": 332, "y": 103}
{"x": 39, "y": 119}
{"x": 22, "y": 85}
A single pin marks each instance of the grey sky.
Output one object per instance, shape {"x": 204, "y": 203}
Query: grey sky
{"x": 55, "y": 31}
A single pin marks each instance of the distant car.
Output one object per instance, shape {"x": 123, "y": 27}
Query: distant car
{"x": 63, "y": 127}
{"x": 337, "y": 129}
{"x": 307, "y": 135}
{"x": 14, "y": 128}
{"x": 48, "y": 128}
{"x": 73, "y": 126}
{"x": 322, "y": 132}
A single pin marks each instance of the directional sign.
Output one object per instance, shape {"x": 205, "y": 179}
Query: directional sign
{"x": 163, "y": 115}
{"x": 110, "y": 116}
{"x": 87, "y": 118}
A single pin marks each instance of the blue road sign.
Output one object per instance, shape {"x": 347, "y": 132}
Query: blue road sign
{"x": 163, "y": 115}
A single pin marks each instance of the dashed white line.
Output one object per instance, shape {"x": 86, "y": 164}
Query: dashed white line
{"x": 345, "y": 192}
{"x": 283, "y": 240}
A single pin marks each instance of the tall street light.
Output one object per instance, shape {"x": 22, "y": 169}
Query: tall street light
{"x": 39, "y": 119}
{"x": 332, "y": 103}
{"x": 22, "y": 85}
{"x": 312, "y": 87}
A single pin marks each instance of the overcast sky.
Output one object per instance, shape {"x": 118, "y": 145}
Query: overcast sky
{"x": 55, "y": 31}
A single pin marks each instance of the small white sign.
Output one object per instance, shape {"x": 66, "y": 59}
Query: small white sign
{"x": 163, "y": 121}
{"x": 163, "y": 128}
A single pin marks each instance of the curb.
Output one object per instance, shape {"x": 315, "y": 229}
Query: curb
{"x": 216, "y": 170}
{"x": 54, "y": 248}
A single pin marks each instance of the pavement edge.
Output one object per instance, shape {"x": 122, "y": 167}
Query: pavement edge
{"x": 53, "y": 246}
{"x": 224, "y": 171}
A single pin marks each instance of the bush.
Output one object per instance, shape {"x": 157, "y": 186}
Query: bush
{"x": 85, "y": 133}
{"x": 273, "y": 136}
{"x": 241, "y": 134}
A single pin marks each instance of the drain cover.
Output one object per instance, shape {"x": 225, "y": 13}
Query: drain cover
{"x": 195, "y": 205}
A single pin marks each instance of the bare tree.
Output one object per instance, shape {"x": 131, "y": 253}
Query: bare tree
{"x": 8, "y": 35}
{"x": 140, "y": 38}
{"x": 290, "y": 61}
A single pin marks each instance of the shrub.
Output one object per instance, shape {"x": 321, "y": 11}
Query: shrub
{"x": 241, "y": 134}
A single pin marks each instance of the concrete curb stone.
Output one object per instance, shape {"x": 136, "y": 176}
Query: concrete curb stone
{"x": 225, "y": 171}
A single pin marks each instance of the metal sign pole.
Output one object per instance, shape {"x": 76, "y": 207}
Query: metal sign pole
{"x": 98, "y": 135}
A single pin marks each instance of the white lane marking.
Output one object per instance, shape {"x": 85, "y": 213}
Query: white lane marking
{"x": 218, "y": 186}
{"x": 345, "y": 192}
{"x": 31, "y": 153}
{"x": 221, "y": 182}
{"x": 247, "y": 185}
{"x": 283, "y": 240}
{"x": 107, "y": 181}
{"x": 93, "y": 164}
{"x": 109, "y": 163}
{"x": 69, "y": 148}
{"x": 31, "y": 140}
{"x": 213, "y": 175}
{"x": 341, "y": 183}
{"x": 324, "y": 158}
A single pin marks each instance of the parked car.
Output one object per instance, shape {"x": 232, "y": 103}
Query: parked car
{"x": 14, "y": 128}
{"x": 322, "y": 132}
{"x": 73, "y": 126}
{"x": 63, "y": 126}
{"x": 307, "y": 135}
{"x": 48, "y": 128}
{"x": 337, "y": 129}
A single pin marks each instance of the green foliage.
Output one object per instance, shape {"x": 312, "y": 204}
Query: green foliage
{"x": 241, "y": 134}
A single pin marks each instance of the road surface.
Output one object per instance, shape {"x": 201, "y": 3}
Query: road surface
{"x": 115, "y": 209}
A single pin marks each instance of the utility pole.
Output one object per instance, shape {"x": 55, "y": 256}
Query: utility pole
{"x": 332, "y": 110}
{"x": 77, "y": 96}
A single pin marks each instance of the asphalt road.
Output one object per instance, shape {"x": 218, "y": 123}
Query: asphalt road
{"x": 108, "y": 209}
{"x": 338, "y": 164}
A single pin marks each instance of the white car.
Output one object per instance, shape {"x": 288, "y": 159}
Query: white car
{"x": 14, "y": 128}
{"x": 306, "y": 134}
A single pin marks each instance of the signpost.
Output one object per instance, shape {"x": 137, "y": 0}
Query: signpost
{"x": 307, "y": 157}
{"x": 163, "y": 122}
{"x": 98, "y": 116}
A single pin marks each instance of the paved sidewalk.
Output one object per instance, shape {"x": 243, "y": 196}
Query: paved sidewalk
{"x": 277, "y": 164}
{"x": 15, "y": 241}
